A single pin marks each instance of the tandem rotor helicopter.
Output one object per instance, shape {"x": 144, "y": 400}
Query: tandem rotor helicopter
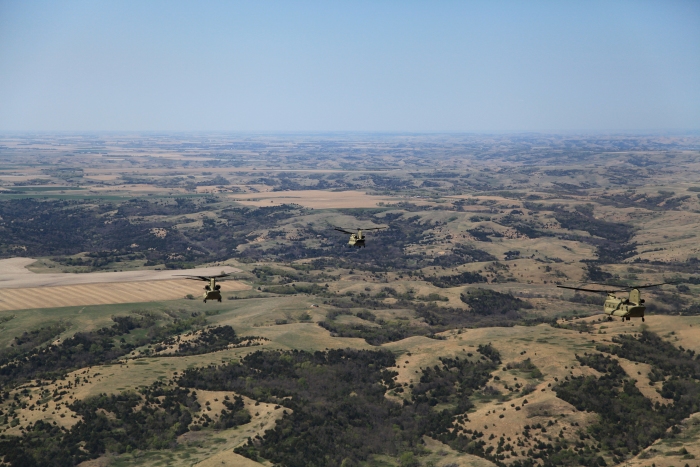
{"x": 626, "y": 308}
{"x": 357, "y": 239}
{"x": 212, "y": 291}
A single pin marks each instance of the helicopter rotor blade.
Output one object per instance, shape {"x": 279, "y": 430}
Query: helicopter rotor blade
{"x": 632, "y": 286}
{"x": 590, "y": 290}
{"x": 203, "y": 278}
{"x": 344, "y": 231}
{"x": 194, "y": 278}
{"x": 654, "y": 285}
{"x": 374, "y": 228}
{"x": 609, "y": 285}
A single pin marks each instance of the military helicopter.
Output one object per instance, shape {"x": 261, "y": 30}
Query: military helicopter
{"x": 212, "y": 291}
{"x": 357, "y": 239}
{"x": 626, "y": 308}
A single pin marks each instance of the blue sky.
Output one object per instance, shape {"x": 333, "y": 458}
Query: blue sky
{"x": 350, "y": 66}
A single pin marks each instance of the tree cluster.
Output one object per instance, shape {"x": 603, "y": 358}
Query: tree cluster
{"x": 628, "y": 421}
{"x": 489, "y": 302}
{"x": 150, "y": 419}
{"x": 208, "y": 340}
{"x": 340, "y": 414}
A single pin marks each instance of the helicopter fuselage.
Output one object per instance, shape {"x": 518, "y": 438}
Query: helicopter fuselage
{"x": 626, "y": 308}
{"x": 623, "y": 307}
{"x": 212, "y": 291}
{"x": 356, "y": 240}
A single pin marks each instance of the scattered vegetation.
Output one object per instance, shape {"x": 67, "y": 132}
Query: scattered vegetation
{"x": 111, "y": 233}
{"x": 628, "y": 421}
{"x": 211, "y": 339}
{"x": 339, "y": 410}
{"x": 87, "y": 348}
{"x": 456, "y": 280}
{"x": 588, "y": 299}
{"x": 487, "y": 308}
{"x": 151, "y": 418}
{"x": 489, "y": 302}
{"x": 29, "y": 340}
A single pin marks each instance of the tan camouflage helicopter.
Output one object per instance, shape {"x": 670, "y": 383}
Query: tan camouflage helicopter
{"x": 626, "y": 308}
{"x": 357, "y": 239}
{"x": 212, "y": 291}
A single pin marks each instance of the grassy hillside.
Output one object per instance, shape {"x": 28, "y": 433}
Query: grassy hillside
{"x": 444, "y": 342}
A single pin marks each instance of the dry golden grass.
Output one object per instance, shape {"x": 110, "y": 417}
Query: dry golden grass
{"x": 264, "y": 417}
{"x": 673, "y": 234}
{"x": 227, "y": 458}
{"x": 640, "y": 372}
{"x": 99, "y": 462}
{"x": 53, "y": 412}
{"x": 551, "y": 350}
{"x": 442, "y": 454}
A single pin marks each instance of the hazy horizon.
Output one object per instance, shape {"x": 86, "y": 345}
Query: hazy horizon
{"x": 314, "y": 67}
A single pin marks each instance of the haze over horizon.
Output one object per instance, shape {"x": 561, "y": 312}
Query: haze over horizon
{"x": 357, "y": 67}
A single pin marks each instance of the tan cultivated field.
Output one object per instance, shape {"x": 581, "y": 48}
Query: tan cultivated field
{"x": 103, "y": 294}
{"x": 317, "y": 199}
{"x": 14, "y": 274}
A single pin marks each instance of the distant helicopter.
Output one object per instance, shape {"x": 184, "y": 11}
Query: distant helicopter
{"x": 357, "y": 239}
{"x": 212, "y": 291}
{"x": 626, "y": 308}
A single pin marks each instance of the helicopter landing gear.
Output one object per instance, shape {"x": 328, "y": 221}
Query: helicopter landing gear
{"x": 642, "y": 319}
{"x": 205, "y": 300}
{"x": 219, "y": 300}
{"x": 609, "y": 318}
